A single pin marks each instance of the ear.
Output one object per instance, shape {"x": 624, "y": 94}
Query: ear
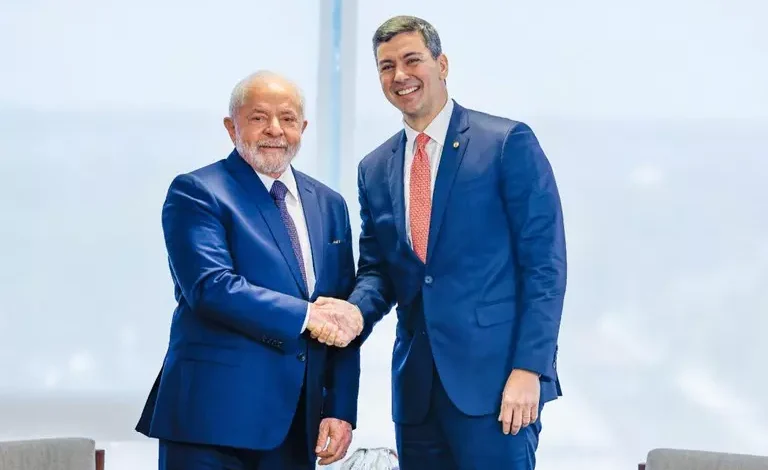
{"x": 230, "y": 125}
{"x": 442, "y": 62}
{"x": 304, "y": 126}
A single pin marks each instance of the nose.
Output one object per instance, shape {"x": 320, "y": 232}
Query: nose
{"x": 400, "y": 75}
{"x": 273, "y": 128}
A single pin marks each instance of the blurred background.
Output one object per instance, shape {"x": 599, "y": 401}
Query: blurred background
{"x": 654, "y": 116}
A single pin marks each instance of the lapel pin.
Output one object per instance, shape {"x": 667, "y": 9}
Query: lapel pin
{"x": 456, "y": 144}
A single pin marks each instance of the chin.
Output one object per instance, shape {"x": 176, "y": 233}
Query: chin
{"x": 414, "y": 110}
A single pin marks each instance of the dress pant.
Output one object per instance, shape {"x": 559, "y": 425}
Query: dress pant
{"x": 448, "y": 439}
{"x": 292, "y": 454}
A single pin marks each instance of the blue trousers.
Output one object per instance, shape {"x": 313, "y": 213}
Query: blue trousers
{"x": 448, "y": 439}
{"x": 292, "y": 454}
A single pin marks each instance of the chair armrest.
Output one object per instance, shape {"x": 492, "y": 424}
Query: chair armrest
{"x": 99, "y": 459}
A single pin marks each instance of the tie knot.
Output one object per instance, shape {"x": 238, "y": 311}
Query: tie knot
{"x": 278, "y": 191}
{"x": 421, "y": 141}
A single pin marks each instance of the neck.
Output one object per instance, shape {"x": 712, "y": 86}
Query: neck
{"x": 419, "y": 123}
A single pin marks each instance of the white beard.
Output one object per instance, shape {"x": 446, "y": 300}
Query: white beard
{"x": 269, "y": 164}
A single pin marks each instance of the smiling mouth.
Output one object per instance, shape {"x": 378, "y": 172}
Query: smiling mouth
{"x": 407, "y": 91}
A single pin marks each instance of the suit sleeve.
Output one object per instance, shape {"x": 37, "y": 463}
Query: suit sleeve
{"x": 343, "y": 364}
{"x": 373, "y": 294}
{"x": 196, "y": 241}
{"x": 535, "y": 213}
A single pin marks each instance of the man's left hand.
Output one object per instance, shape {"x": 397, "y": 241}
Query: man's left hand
{"x": 337, "y": 434}
{"x": 520, "y": 401}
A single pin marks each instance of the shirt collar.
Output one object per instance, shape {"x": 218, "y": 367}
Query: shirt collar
{"x": 287, "y": 178}
{"x": 437, "y": 129}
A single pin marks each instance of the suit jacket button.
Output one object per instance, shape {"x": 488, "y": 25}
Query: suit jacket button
{"x": 428, "y": 280}
{"x": 302, "y": 357}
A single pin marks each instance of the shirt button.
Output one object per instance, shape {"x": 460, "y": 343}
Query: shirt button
{"x": 428, "y": 280}
{"x": 301, "y": 356}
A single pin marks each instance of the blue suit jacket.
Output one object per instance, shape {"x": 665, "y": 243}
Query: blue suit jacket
{"x": 236, "y": 362}
{"x": 491, "y": 292}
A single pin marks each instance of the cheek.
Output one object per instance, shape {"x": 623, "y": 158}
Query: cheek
{"x": 250, "y": 132}
{"x": 293, "y": 136}
{"x": 386, "y": 84}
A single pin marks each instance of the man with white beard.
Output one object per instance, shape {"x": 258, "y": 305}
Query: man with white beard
{"x": 256, "y": 375}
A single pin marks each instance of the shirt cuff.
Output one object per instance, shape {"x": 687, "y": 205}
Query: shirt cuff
{"x": 306, "y": 319}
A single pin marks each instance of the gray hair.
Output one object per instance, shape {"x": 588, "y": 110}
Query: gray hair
{"x": 408, "y": 24}
{"x": 240, "y": 92}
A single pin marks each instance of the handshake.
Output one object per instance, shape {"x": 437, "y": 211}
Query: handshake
{"x": 334, "y": 322}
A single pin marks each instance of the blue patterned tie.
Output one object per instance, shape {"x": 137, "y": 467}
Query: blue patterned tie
{"x": 278, "y": 192}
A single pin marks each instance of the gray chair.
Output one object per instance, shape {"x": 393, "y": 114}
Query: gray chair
{"x": 678, "y": 459}
{"x": 51, "y": 454}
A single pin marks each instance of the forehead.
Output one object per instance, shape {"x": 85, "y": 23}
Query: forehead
{"x": 272, "y": 95}
{"x": 403, "y": 43}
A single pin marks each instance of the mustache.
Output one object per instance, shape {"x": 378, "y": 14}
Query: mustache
{"x": 272, "y": 143}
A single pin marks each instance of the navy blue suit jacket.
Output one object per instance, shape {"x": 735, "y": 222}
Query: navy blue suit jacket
{"x": 490, "y": 295}
{"x": 236, "y": 362}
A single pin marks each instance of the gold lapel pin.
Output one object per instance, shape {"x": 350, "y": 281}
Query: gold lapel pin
{"x": 456, "y": 144}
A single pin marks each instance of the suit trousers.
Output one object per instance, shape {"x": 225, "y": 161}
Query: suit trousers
{"x": 292, "y": 454}
{"x": 448, "y": 439}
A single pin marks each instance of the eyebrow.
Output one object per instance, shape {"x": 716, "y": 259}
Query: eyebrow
{"x": 406, "y": 56}
{"x": 259, "y": 110}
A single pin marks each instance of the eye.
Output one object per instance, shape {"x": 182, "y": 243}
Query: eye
{"x": 413, "y": 61}
{"x": 385, "y": 68}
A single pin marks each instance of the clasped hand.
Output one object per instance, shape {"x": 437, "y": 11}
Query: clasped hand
{"x": 334, "y": 322}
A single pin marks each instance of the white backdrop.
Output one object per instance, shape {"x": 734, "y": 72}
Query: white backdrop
{"x": 654, "y": 116}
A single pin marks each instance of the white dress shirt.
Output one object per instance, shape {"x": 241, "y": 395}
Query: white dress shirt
{"x": 293, "y": 204}
{"x": 436, "y": 130}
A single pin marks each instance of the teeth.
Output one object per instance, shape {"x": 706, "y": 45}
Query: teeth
{"x": 407, "y": 91}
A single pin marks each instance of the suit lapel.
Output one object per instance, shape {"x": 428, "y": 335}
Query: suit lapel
{"x": 251, "y": 183}
{"x": 397, "y": 192}
{"x": 446, "y": 172}
{"x": 311, "y": 206}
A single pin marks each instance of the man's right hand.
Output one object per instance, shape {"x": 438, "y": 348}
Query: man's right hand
{"x": 334, "y": 322}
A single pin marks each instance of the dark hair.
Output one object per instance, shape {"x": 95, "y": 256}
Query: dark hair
{"x": 408, "y": 24}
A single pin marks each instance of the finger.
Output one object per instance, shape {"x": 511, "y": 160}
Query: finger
{"x": 506, "y": 418}
{"x": 346, "y": 337}
{"x": 517, "y": 420}
{"x": 328, "y": 453}
{"x": 322, "y": 437}
{"x": 320, "y": 333}
{"x": 338, "y": 455}
{"x": 325, "y": 454}
{"x": 330, "y": 339}
{"x": 325, "y": 332}
{"x": 340, "y": 341}
{"x": 534, "y": 413}
{"x": 331, "y": 331}
{"x": 526, "y": 416}
{"x": 323, "y": 300}
{"x": 333, "y": 443}
{"x": 341, "y": 451}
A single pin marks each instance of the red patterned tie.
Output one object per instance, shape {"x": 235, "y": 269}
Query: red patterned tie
{"x": 420, "y": 197}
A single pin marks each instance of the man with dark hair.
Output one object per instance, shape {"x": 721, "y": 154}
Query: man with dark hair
{"x": 462, "y": 229}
